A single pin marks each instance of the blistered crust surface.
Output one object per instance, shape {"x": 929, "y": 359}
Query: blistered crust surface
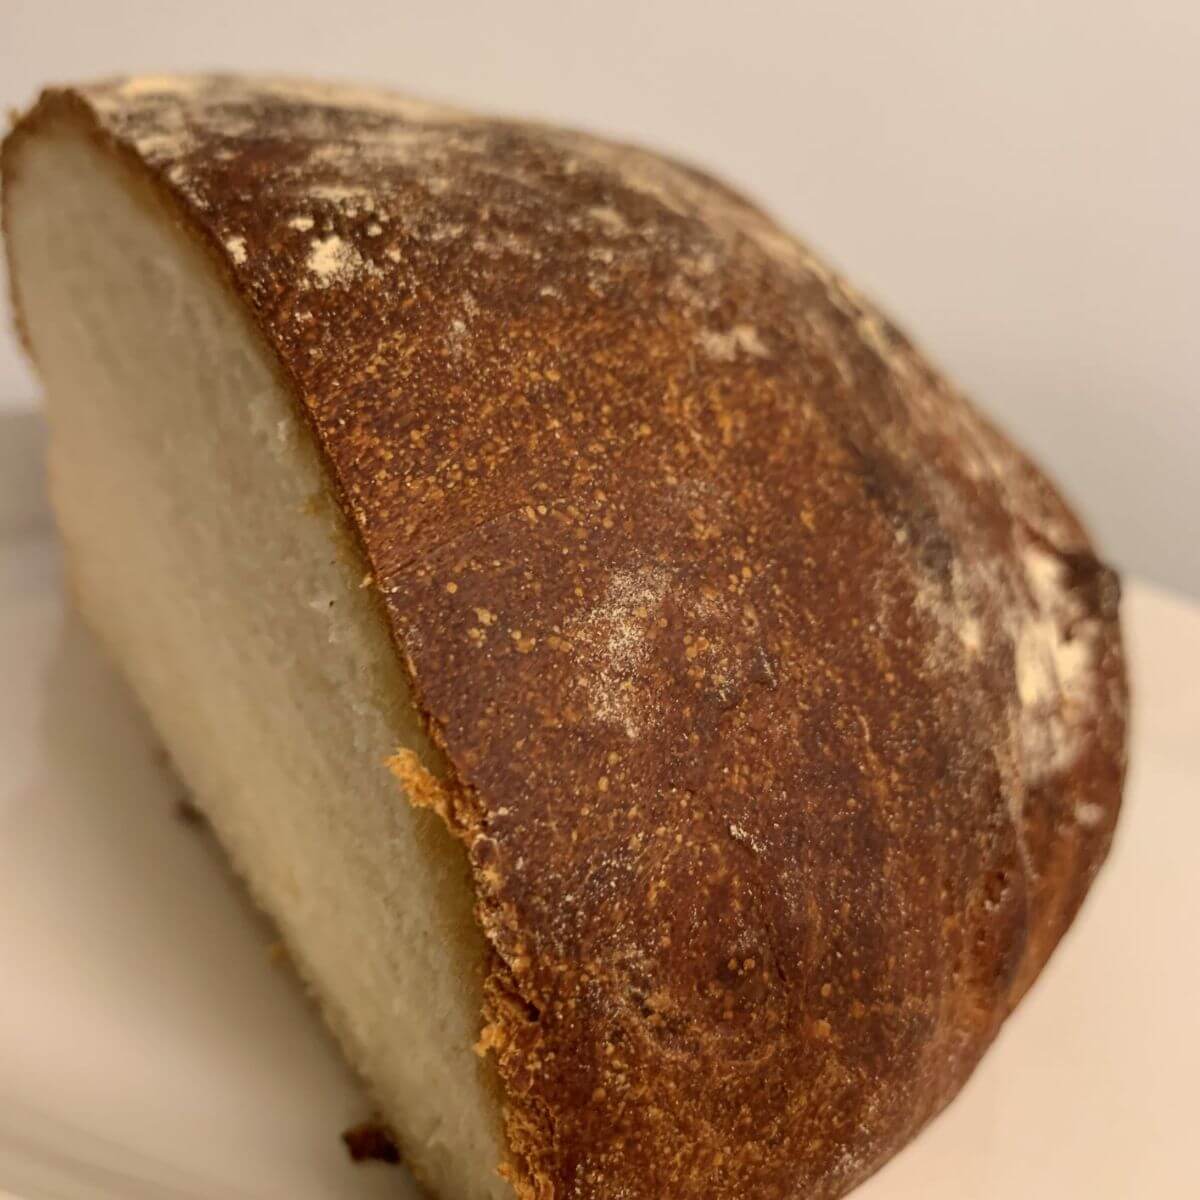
{"x": 784, "y": 698}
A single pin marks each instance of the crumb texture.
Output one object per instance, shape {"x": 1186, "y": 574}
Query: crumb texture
{"x": 783, "y": 696}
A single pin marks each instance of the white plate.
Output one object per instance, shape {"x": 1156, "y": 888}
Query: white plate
{"x": 149, "y": 1046}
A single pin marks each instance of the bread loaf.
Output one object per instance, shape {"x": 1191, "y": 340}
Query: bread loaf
{"x": 670, "y": 727}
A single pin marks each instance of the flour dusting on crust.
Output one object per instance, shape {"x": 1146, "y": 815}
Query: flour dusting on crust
{"x": 619, "y": 628}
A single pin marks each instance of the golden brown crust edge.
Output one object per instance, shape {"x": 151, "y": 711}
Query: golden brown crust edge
{"x": 784, "y": 699}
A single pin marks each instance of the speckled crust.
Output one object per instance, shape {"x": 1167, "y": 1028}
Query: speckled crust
{"x": 784, "y": 699}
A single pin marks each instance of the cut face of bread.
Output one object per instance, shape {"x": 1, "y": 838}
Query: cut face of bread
{"x": 204, "y": 547}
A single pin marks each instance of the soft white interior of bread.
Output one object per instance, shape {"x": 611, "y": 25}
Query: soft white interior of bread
{"x": 203, "y": 547}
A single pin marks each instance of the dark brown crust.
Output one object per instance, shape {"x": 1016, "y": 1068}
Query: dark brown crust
{"x": 784, "y": 699}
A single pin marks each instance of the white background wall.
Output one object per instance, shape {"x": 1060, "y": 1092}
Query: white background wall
{"x": 1019, "y": 183}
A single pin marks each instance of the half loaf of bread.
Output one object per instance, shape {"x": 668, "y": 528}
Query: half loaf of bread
{"x": 669, "y": 726}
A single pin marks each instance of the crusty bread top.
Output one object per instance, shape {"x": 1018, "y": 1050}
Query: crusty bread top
{"x": 784, "y": 699}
